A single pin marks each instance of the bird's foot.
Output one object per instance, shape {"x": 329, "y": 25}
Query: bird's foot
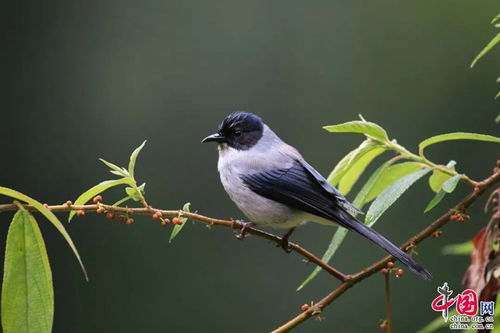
{"x": 241, "y": 232}
{"x": 285, "y": 244}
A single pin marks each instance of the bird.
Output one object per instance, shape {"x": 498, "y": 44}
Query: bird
{"x": 274, "y": 186}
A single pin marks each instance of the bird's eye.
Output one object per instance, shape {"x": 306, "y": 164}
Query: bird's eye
{"x": 237, "y": 133}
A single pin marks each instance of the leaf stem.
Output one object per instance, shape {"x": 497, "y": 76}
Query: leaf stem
{"x": 405, "y": 153}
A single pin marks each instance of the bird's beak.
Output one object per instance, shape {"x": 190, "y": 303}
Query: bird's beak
{"x": 214, "y": 137}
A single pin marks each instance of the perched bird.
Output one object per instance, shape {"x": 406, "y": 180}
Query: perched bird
{"x": 274, "y": 186}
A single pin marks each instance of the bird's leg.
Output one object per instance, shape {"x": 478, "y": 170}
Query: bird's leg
{"x": 243, "y": 230}
{"x": 284, "y": 240}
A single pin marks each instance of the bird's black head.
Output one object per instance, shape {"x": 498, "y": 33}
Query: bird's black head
{"x": 240, "y": 130}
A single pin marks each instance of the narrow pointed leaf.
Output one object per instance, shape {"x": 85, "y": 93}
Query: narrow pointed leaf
{"x": 447, "y": 187}
{"x": 349, "y": 160}
{"x": 179, "y": 227}
{"x": 340, "y": 169}
{"x": 456, "y": 136}
{"x": 352, "y": 175}
{"x": 133, "y": 158}
{"x": 119, "y": 202}
{"x": 450, "y": 185}
{"x": 435, "y": 200}
{"x": 117, "y": 170}
{"x": 337, "y": 239}
{"x": 495, "y": 40}
{"x": 27, "y": 291}
{"x": 437, "y": 179}
{"x": 133, "y": 193}
{"x": 49, "y": 216}
{"x": 99, "y": 188}
{"x": 389, "y": 175}
{"x": 358, "y": 126}
{"x": 495, "y": 19}
{"x": 390, "y": 195}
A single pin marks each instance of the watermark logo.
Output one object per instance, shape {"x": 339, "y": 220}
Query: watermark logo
{"x": 467, "y": 306}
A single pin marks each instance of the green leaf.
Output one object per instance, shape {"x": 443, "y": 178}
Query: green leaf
{"x": 117, "y": 173}
{"x": 341, "y": 167}
{"x": 447, "y": 187}
{"x": 349, "y": 160}
{"x": 49, "y": 216}
{"x": 438, "y": 323}
{"x": 390, "y": 195}
{"x": 438, "y": 177}
{"x": 134, "y": 193}
{"x": 99, "y": 188}
{"x": 115, "y": 169}
{"x": 341, "y": 233}
{"x": 450, "y": 185}
{"x": 133, "y": 158}
{"x": 455, "y": 136}
{"x": 486, "y": 49}
{"x": 459, "y": 249}
{"x": 27, "y": 291}
{"x": 337, "y": 239}
{"x": 389, "y": 175}
{"x": 437, "y": 198}
{"x": 357, "y": 168}
{"x": 178, "y": 227}
{"x": 358, "y": 126}
{"x": 119, "y": 202}
{"x": 496, "y": 18}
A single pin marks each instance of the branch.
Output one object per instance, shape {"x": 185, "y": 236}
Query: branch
{"x": 192, "y": 216}
{"x": 347, "y": 280}
{"x": 479, "y": 189}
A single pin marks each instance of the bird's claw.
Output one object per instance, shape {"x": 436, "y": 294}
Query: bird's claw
{"x": 285, "y": 244}
{"x": 241, "y": 233}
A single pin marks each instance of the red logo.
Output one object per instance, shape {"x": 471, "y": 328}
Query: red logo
{"x": 466, "y": 303}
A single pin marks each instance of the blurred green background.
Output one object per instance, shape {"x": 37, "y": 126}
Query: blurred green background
{"x": 83, "y": 79}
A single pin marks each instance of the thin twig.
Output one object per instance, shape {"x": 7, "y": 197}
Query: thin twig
{"x": 388, "y": 311}
{"x": 368, "y": 271}
{"x": 194, "y": 217}
{"x": 347, "y": 280}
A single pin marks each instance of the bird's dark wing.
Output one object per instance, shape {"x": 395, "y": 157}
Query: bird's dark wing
{"x": 303, "y": 188}
{"x": 341, "y": 200}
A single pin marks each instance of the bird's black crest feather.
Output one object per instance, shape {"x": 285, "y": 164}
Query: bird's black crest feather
{"x": 243, "y": 121}
{"x": 241, "y": 130}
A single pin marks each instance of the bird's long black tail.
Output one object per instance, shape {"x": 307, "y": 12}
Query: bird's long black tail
{"x": 353, "y": 224}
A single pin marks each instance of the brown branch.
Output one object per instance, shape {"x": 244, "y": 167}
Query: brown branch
{"x": 388, "y": 310}
{"x": 347, "y": 280}
{"x": 479, "y": 189}
{"x": 194, "y": 217}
